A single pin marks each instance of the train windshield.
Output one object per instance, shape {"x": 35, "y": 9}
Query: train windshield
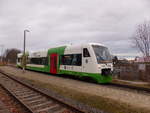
{"x": 102, "y": 54}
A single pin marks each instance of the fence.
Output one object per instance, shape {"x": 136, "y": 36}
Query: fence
{"x": 2, "y": 63}
{"x": 133, "y": 71}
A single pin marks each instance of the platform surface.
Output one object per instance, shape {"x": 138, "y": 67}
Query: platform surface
{"x": 133, "y": 82}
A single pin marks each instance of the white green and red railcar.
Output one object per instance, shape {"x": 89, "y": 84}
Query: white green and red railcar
{"x": 91, "y": 60}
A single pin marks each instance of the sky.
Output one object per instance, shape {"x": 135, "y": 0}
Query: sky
{"x": 59, "y": 22}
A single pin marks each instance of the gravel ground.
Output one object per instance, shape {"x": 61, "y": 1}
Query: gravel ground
{"x": 131, "y": 98}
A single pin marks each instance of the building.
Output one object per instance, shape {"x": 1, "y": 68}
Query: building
{"x": 142, "y": 59}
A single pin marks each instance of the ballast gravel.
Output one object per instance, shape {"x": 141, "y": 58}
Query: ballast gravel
{"x": 132, "y": 98}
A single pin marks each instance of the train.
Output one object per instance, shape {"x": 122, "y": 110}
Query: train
{"x": 89, "y": 60}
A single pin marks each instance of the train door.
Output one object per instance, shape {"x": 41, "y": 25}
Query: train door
{"x": 86, "y": 60}
{"x": 53, "y": 63}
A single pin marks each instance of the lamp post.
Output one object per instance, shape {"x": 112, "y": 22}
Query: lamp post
{"x": 24, "y": 49}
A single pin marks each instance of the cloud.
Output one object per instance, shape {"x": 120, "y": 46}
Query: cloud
{"x": 57, "y": 22}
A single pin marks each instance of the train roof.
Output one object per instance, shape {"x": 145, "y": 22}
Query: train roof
{"x": 38, "y": 54}
{"x": 87, "y": 44}
{"x": 34, "y": 54}
{"x": 97, "y": 44}
{"x": 69, "y": 46}
{"x": 19, "y": 55}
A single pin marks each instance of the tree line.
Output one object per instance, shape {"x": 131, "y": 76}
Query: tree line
{"x": 10, "y": 55}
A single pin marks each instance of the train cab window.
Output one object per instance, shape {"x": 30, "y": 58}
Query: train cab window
{"x": 86, "y": 52}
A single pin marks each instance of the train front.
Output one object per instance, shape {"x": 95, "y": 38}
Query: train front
{"x": 104, "y": 62}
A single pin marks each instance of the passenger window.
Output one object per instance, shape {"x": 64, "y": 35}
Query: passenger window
{"x": 38, "y": 61}
{"x": 18, "y": 59}
{"x": 77, "y": 60}
{"x": 66, "y": 59}
{"x": 72, "y": 59}
{"x": 86, "y": 52}
{"x": 44, "y": 61}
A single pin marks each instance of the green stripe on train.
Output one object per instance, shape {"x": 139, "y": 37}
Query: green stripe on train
{"x": 45, "y": 69}
{"x": 95, "y": 76}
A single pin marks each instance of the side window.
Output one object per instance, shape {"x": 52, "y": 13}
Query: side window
{"x": 38, "y": 61}
{"x": 18, "y": 59}
{"x": 43, "y": 61}
{"x": 77, "y": 60}
{"x": 34, "y": 61}
{"x": 86, "y": 52}
{"x": 46, "y": 61}
{"x": 66, "y": 59}
{"x": 73, "y": 59}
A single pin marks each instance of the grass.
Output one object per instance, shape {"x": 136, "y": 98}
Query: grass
{"x": 1, "y": 64}
{"x": 106, "y": 104}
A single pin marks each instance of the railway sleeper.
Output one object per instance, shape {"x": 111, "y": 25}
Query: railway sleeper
{"x": 49, "y": 108}
{"x": 44, "y": 106}
{"x": 41, "y": 104}
{"x": 32, "y": 98}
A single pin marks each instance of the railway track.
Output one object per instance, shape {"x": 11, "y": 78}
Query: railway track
{"x": 37, "y": 100}
{"x": 125, "y": 86}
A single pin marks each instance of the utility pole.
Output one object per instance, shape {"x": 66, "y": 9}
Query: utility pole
{"x": 2, "y": 47}
{"x": 24, "y": 50}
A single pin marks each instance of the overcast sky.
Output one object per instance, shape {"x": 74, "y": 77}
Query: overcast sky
{"x": 58, "y": 22}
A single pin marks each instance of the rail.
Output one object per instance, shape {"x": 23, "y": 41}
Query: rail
{"x": 38, "y": 100}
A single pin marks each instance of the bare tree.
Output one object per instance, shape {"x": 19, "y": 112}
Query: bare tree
{"x": 11, "y": 55}
{"x": 141, "y": 38}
